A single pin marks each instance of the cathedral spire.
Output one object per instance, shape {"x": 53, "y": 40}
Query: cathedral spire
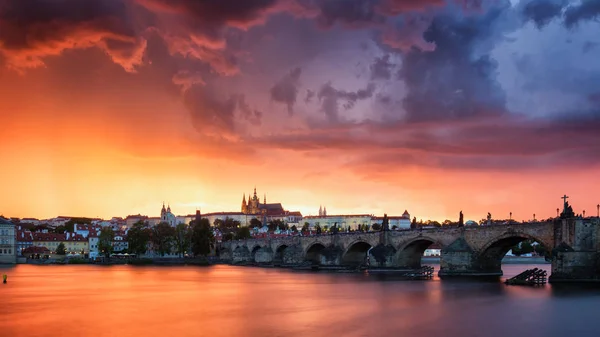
{"x": 324, "y": 211}
{"x": 265, "y": 199}
{"x": 320, "y": 210}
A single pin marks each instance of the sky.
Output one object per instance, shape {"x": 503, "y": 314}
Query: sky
{"x": 112, "y": 107}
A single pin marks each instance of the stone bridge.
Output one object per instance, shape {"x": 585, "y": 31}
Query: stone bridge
{"x": 472, "y": 251}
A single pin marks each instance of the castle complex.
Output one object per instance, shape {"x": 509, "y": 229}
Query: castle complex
{"x": 255, "y": 207}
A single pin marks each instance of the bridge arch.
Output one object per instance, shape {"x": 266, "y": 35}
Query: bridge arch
{"x": 489, "y": 258}
{"x": 279, "y": 253}
{"x": 255, "y": 249}
{"x": 356, "y": 253}
{"x": 409, "y": 254}
{"x": 314, "y": 252}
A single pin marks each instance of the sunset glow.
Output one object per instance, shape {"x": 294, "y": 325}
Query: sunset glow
{"x": 131, "y": 103}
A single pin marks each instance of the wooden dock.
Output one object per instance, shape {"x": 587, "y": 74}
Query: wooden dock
{"x": 530, "y": 277}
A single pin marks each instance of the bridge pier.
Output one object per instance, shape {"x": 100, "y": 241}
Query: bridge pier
{"x": 460, "y": 259}
{"x": 264, "y": 255}
{"x": 241, "y": 255}
{"x": 576, "y": 256}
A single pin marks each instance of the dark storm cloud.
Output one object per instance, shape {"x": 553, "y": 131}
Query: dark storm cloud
{"x": 33, "y": 29}
{"x": 457, "y": 79}
{"x": 570, "y": 13}
{"x": 543, "y": 11}
{"x": 353, "y": 13}
{"x": 331, "y": 98}
{"x": 586, "y": 10}
{"x": 215, "y": 115}
{"x": 397, "y": 7}
{"x": 381, "y": 69}
{"x": 214, "y": 12}
{"x": 210, "y": 114}
{"x": 286, "y": 89}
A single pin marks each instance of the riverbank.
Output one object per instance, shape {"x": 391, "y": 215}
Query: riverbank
{"x": 130, "y": 261}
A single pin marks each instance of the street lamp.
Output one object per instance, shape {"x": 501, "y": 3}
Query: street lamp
{"x": 510, "y": 217}
{"x": 534, "y": 217}
{"x": 598, "y": 210}
{"x": 557, "y": 212}
{"x": 584, "y": 213}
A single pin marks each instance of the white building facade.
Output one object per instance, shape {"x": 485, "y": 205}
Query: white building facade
{"x": 344, "y": 222}
{"x": 8, "y": 248}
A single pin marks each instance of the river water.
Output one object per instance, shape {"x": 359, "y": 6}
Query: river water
{"x": 220, "y": 301}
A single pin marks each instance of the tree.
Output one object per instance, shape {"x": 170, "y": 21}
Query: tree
{"x": 526, "y": 247}
{"x": 433, "y": 223}
{"x": 255, "y": 223}
{"x": 105, "y": 241}
{"x": 318, "y": 228}
{"x": 277, "y": 224}
{"x": 227, "y": 225}
{"x": 202, "y": 238}
{"x": 243, "y": 234}
{"x": 376, "y": 227}
{"x": 219, "y": 224}
{"x": 61, "y": 249}
{"x": 306, "y": 227}
{"x": 162, "y": 238}
{"x": 60, "y": 229}
{"x": 138, "y": 237}
{"x": 182, "y": 239}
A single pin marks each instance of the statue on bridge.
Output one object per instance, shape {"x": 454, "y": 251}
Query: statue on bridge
{"x": 461, "y": 220}
{"x": 489, "y": 218}
{"x": 335, "y": 229}
{"x": 567, "y": 209}
{"x": 386, "y": 223}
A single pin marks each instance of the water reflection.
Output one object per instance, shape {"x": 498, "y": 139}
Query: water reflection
{"x": 253, "y": 302}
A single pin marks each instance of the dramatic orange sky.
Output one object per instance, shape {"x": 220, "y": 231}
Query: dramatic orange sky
{"x": 109, "y": 108}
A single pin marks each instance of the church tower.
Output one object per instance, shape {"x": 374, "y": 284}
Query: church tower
{"x": 163, "y": 212}
{"x": 324, "y": 211}
{"x": 198, "y": 217}
{"x": 320, "y": 210}
{"x": 265, "y": 199}
{"x": 244, "y": 205}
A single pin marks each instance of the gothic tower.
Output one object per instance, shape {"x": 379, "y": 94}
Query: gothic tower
{"x": 198, "y": 217}
{"x": 244, "y": 205}
{"x": 320, "y": 210}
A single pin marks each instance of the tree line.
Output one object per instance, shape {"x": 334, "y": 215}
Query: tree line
{"x": 196, "y": 239}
